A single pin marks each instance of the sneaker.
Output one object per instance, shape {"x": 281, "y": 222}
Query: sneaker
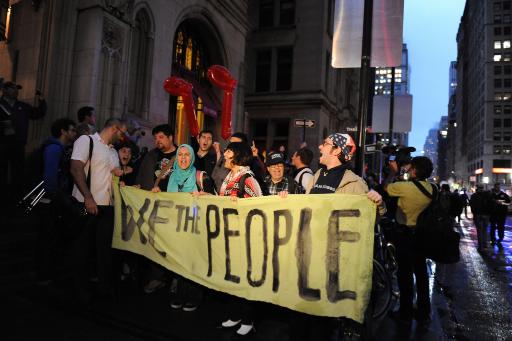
{"x": 176, "y": 304}
{"x": 153, "y": 285}
{"x": 173, "y": 288}
{"x": 230, "y": 323}
{"x": 189, "y": 306}
{"x": 245, "y": 329}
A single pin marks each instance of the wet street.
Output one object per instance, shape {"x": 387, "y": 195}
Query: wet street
{"x": 471, "y": 300}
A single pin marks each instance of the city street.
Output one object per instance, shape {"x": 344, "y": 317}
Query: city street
{"x": 471, "y": 301}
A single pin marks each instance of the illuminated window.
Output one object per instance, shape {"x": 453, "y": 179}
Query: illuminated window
{"x": 189, "y": 51}
{"x": 506, "y": 57}
{"x": 497, "y": 96}
{"x": 506, "y": 149}
{"x": 5, "y": 16}
{"x": 497, "y": 57}
{"x": 506, "y": 96}
{"x": 497, "y": 44}
{"x": 497, "y": 109}
{"x": 496, "y": 149}
{"x": 506, "y": 44}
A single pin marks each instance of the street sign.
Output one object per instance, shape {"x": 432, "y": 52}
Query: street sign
{"x": 370, "y": 148}
{"x": 300, "y": 123}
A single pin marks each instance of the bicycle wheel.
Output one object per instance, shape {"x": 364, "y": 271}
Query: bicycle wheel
{"x": 381, "y": 295}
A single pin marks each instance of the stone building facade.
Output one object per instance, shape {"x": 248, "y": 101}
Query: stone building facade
{"x": 290, "y": 75}
{"x": 115, "y": 54}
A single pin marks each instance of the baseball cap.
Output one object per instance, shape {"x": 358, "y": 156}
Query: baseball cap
{"x": 274, "y": 158}
{"x": 11, "y": 85}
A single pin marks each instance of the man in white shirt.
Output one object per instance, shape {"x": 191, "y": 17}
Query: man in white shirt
{"x": 98, "y": 225}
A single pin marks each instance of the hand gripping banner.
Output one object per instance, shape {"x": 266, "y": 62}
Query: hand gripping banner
{"x": 309, "y": 253}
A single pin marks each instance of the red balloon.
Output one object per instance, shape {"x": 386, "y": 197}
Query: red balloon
{"x": 176, "y": 86}
{"x": 221, "y": 78}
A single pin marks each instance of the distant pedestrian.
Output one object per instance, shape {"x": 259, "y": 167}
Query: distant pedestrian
{"x": 499, "y": 213}
{"x": 465, "y": 200}
{"x": 481, "y": 203}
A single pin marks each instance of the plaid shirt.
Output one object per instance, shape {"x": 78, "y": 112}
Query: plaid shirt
{"x": 284, "y": 185}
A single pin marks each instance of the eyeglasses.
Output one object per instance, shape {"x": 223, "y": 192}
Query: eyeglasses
{"x": 325, "y": 143}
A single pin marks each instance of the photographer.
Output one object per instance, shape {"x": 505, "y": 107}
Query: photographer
{"x": 411, "y": 264}
{"x": 14, "y": 120}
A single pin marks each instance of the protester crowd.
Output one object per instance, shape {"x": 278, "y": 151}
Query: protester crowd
{"x": 79, "y": 161}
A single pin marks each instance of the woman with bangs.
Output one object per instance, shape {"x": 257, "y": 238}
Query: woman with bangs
{"x": 239, "y": 183}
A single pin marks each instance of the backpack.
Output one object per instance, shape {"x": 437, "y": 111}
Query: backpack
{"x": 435, "y": 237}
{"x": 241, "y": 184}
{"x": 35, "y": 165}
{"x": 299, "y": 189}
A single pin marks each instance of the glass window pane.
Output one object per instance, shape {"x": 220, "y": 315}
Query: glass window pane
{"x": 263, "y": 70}
{"x": 284, "y": 68}
{"x": 266, "y": 13}
{"x": 287, "y": 12}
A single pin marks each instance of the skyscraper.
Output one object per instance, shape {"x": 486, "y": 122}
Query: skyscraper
{"x": 483, "y": 97}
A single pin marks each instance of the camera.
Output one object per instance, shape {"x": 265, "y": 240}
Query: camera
{"x": 400, "y": 154}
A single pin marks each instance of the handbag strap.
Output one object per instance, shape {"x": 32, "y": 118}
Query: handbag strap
{"x": 91, "y": 147}
{"x": 424, "y": 190}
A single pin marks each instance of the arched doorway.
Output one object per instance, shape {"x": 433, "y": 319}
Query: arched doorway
{"x": 193, "y": 53}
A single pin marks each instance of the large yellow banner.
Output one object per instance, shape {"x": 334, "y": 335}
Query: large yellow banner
{"x": 310, "y": 253}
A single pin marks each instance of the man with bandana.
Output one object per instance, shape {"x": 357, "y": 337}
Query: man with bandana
{"x": 335, "y": 176}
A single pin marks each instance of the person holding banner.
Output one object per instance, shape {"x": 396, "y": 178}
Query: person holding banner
{"x": 239, "y": 183}
{"x": 185, "y": 178}
{"x": 335, "y": 176}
